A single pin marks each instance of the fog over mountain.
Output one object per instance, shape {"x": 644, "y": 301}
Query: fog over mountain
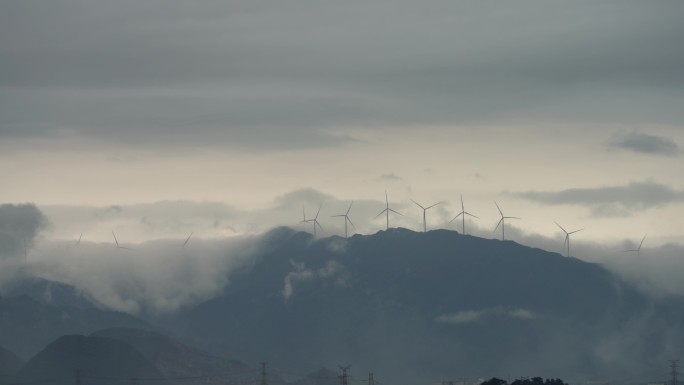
{"x": 435, "y": 302}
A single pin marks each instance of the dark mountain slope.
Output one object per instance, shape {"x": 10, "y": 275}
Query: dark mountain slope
{"x": 100, "y": 360}
{"x": 9, "y": 364}
{"x": 176, "y": 360}
{"x": 420, "y": 305}
{"x": 27, "y": 325}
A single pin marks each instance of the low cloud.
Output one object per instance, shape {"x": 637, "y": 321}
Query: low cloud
{"x": 301, "y": 274}
{"x": 610, "y": 201}
{"x": 19, "y": 227}
{"x": 473, "y": 316}
{"x": 645, "y": 144}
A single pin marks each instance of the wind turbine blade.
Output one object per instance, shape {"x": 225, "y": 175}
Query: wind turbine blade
{"x": 338, "y": 215}
{"x": 187, "y": 240}
{"x": 497, "y": 225}
{"x": 386, "y": 199}
{"x": 459, "y": 214}
{"x": 512, "y": 217}
{"x": 350, "y": 206}
{"x": 319, "y": 225}
{"x": 462, "y": 208}
{"x": 561, "y": 227}
{"x": 418, "y": 204}
{"x": 79, "y": 239}
{"x": 474, "y": 216}
{"x": 396, "y": 212}
{"x": 642, "y": 241}
{"x": 429, "y": 207}
{"x": 319, "y": 209}
{"x": 381, "y": 212}
{"x": 351, "y": 223}
{"x": 573, "y": 232}
{"x": 497, "y": 206}
{"x": 115, "y": 240}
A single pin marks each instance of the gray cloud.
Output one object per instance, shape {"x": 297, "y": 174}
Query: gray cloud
{"x": 391, "y": 177}
{"x": 19, "y": 227}
{"x": 473, "y": 316}
{"x": 275, "y": 76}
{"x": 645, "y": 143}
{"x": 610, "y": 200}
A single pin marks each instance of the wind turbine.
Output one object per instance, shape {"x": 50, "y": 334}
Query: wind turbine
{"x": 502, "y": 222}
{"x": 387, "y": 210}
{"x": 188, "y": 239}
{"x": 463, "y": 214}
{"x": 78, "y": 242}
{"x": 346, "y": 219}
{"x": 304, "y": 220}
{"x": 567, "y": 236}
{"x": 425, "y": 209}
{"x": 117, "y": 243}
{"x": 638, "y": 249}
{"x": 315, "y": 220}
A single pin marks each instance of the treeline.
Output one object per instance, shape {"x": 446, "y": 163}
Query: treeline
{"x": 525, "y": 381}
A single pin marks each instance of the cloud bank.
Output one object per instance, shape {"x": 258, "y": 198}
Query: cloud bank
{"x": 610, "y": 200}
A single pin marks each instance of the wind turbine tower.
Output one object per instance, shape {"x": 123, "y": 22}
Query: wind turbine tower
{"x": 425, "y": 209}
{"x": 502, "y": 222}
{"x": 346, "y": 220}
{"x": 463, "y": 214}
{"x": 566, "y": 243}
{"x": 117, "y": 243}
{"x": 638, "y": 249}
{"x": 387, "y": 210}
{"x": 187, "y": 239}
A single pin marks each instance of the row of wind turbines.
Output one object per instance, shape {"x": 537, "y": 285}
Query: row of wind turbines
{"x": 386, "y": 211}
{"x": 462, "y": 214}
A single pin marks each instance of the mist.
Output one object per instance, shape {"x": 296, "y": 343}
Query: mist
{"x": 160, "y": 276}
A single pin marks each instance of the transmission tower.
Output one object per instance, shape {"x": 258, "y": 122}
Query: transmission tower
{"x": 343, "y": 375}
{"x": 263, "y": 373}
{"x": 673, "y": 372}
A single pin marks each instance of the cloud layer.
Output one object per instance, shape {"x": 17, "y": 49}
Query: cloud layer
{"x": 611, "y": 200}
{"x": 274, "y": 76}
{"x": 646, "y": 144}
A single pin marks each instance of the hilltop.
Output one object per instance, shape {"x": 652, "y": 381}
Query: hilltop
{"x": 416, "y": 304}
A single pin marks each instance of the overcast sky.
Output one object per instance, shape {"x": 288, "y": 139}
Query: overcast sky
{"x": 161, "y": 117}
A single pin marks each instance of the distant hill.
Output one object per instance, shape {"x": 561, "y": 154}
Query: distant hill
{"x": 49, "y": 292}
{"x": 100, "y": 360}
{"x": 177, "y": 360}
{"x": 420, "y": 306}
{"x": 28, "y": 324}
{"x": 9, "y": 364}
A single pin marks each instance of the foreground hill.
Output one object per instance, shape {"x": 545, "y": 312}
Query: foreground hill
{"x": 176, "y": 360}
{"x": 99, "y": 360}
{"x": 417, "y": 306}
{"x": 28, "y": 323}
{"x": 9, "y": 364}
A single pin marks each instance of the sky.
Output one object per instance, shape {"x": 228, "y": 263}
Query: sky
{"x": 159, "y": 119}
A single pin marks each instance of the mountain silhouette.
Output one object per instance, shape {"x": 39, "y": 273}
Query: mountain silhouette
{"x": 97, "y": 359}
{"x": 420, "y": 305}
{"x": 28, "y": 323}
{"x": 177, "y": 360}
{"x": 9, "y": 364}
